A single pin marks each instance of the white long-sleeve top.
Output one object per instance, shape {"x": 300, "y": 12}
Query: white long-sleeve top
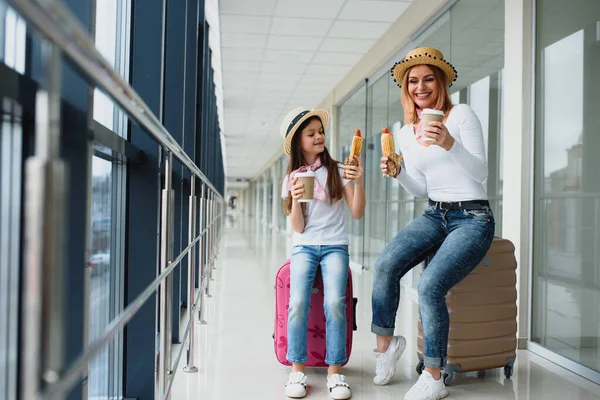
{"x": 454, "y": 175}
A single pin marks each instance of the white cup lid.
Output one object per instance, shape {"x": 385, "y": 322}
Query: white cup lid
{"x": 305, "y": 174}
{"x": 432, "y": 111}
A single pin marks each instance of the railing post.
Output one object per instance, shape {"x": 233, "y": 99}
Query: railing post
{"x": 203, "y": 241}
{"x": 223, "y": 221}
{"x": 216, "y": 233}
{"x": 165, "y": 291}
{"x": 46, "y": 193}
{"x": 222, "y": 216}
{"x": 211, "y": 232}
{"x": 191, "y": 367}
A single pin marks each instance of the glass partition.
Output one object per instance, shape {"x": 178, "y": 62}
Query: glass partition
{"x": 106, "y": 295}
{"x": 471, "y": 37}
{"x": 351, "y": 116}
{"x": 566, "y": 263}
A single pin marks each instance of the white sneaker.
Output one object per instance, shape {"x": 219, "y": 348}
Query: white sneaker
{"x": 338, "y": 387}
{"x": 296, "y": 385}
{"x": 427, "y": 388}
{"x": 387, "y": 362}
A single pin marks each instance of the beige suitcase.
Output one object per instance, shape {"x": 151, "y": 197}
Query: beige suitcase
{"x": 483, "y": 316}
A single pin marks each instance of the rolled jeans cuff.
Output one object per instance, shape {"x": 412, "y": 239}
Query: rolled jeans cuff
{"x": 434, "y": 362}
{"x": 382, "y": 331}
{"x": 335, "y": 362}
{"x": 297, "y": 360}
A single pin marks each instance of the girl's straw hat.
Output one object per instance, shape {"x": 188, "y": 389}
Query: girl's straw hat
{"x": 424, "y": 55}
{"x": 294, "y": 119}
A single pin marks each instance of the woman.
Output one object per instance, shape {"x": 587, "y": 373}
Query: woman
{"x": 445, "y": 161}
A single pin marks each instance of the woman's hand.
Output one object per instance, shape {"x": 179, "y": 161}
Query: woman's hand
{"x": 297, "y": 189}
{"x": 384, "y": 167}
{"x": 440, "y": 135}
{"x": 355, "y": 173}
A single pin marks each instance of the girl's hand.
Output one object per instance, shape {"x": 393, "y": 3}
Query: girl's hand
{"x": 440, "y": 135}
{"x": 384, "y": 167}
{"x": 354, "y": 173}
{"x": 297, "y": 189}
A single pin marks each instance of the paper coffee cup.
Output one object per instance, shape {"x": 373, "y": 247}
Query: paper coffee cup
{"x": 308, "y": 179}
{"x": 429, "y": 115}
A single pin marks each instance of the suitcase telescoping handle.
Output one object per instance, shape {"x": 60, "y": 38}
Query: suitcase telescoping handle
{"x": 354, "y": 303}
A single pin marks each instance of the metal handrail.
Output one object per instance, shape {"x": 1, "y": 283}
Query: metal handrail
{"x": 569, "y": 195}
{"x": 69, "y": 378}
{"x": 53, "y": 20}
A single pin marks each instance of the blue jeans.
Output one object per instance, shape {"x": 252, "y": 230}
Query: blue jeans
{"x": 334, "y": 261}
{"x": 463, "y": 238}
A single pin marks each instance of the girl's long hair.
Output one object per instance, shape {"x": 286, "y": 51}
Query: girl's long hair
{"x": 443, "y": 102}
{"x": 334, "y": 181}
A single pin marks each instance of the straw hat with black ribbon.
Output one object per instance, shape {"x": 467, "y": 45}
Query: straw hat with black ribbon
{"x": 427, "y": 56}
{"x": 294, "y": 119}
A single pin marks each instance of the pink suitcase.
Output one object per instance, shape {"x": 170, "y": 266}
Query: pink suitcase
{"x": 316, "y": 318}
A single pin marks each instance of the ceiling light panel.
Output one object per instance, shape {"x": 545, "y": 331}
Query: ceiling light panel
{"x": 358, "y": 30}
{"x": 288, "y": 42}
{"x": 251, "y": 66}
{"x": 329, "y": 80}
{"x": 301, "y": 26}
{"x": 242, "y": 55}
{"x": 254, "y": 7}
{"x": 279, "y": 77}
{"x": 347, "y": 59}
{"x": 243, "y": 40}
{"x": 288, "y": 56}
{"x": 328, "y": 9}
{"x": 337, "y": 45}
{"x": 327, "y": 69}
{"x": 291, "y": 67}
{"x": 244, "y": 24}
{"x": 376, "y": 11}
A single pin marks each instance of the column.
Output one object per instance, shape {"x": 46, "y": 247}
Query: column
{"x": 517, "y": 154}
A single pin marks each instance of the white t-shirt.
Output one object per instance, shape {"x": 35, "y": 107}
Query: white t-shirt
{"x": 455, "y": 175}
{"x": 325, "y": 221}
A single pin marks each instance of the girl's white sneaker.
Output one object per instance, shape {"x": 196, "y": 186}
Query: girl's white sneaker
{"x": 338, "y": 387}
{"x": 295, "y": 387}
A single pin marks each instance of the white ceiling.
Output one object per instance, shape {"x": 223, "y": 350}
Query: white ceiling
{"x": 280, "y": 54}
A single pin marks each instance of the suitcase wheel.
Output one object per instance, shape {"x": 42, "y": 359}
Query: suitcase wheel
{"x": 508, "y": 369}
{"x": 420, "y": 367}
{"x": 448, "y": 377}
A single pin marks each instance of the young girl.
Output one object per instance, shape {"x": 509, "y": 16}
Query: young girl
{"x": 319, "y": 239}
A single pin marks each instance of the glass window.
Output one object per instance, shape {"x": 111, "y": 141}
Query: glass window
{"x": 269, "y": 197}
{"x": 12, "y": 38}
{"x": 283, "y": 165}
{"x": 112, "y": 41}
{"x": 112, "y": 24}
{"x": 376, "y": 213}
{"x": 11, "y": 145}
{"x": 101, "y": 288}
{"x": 352, "y": 116}
{"x": 401, "y": 204}
{"x": 477, "y": 52}
{"x": 471, "y": 37}
{"x": 566, "y": 263}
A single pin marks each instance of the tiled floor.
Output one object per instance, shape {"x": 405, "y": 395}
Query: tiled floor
{"x": 235, "y": 357}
